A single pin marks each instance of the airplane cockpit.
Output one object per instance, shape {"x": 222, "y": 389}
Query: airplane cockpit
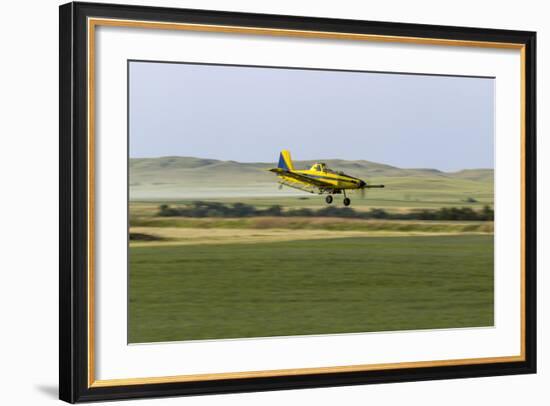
{"x": 322, "y": 167}
{"x": 319, "y": 167}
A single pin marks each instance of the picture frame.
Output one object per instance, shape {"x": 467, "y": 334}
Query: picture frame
{"x": 79, "y": 189}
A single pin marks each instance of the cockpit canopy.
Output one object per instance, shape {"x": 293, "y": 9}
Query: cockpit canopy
{"x": 322, "y": 167}
{"x": 319, "y": 167}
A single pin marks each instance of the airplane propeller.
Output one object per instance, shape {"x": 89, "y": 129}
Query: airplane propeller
{"x": 366, "y": 186}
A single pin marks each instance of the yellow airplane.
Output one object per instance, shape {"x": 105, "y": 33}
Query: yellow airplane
{"x": 318, "y": 179}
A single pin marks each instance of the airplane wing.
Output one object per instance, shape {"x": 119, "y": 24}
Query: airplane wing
{"x": 303, "y": 178}
{"x": 299, "y": 185}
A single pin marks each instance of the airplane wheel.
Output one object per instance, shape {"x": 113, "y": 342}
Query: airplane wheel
{"x": 347, "y": 201}
{"x": 328, "y": 199}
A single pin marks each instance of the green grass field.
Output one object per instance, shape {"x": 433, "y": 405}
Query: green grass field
{"x": 231, "y": 277}
{"x": 309, "y": 287}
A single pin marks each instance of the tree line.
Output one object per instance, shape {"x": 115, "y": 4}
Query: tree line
{"x": 215, "y": 209}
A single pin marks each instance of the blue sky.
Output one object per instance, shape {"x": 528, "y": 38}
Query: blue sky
{"x": 249, "y": 114}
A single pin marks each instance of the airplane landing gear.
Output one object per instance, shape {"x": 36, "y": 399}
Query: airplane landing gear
{"x": 347, "y": 200}
{"x": 328, "y": 199}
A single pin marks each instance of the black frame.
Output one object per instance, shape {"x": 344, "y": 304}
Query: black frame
{"x": 73, "y": 289}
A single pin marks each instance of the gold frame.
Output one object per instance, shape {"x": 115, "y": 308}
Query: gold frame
{"x": 94, "y": 22}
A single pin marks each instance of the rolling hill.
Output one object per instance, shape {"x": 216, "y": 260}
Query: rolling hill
{"x": 177, "y": 177}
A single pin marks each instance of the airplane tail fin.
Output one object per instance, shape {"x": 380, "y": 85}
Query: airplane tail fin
{"x": 285, "y": 162}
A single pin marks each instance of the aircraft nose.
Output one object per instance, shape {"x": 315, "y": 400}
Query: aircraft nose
{"x": 361, "y": 183}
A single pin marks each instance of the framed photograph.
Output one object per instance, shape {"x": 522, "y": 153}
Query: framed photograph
{"x": 256, "y": 202}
